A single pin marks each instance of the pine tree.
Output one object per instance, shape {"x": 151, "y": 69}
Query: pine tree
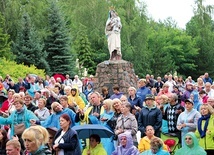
{"x": 84, "y": 51}
{"x": 28, "y": 47}
{"x": 57, "y": 43}
{"x": 5, "y": 50}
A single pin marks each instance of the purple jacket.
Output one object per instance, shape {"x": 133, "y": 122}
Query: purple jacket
{"x": 129, "y": 149}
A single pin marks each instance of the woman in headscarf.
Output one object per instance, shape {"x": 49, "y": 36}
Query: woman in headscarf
{"x": 126, "y": 146}
{"x": 205, "y": 127}
{"x": 190, "y": 146}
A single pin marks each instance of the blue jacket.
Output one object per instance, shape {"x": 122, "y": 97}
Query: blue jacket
{"x": 71, "y": 145}
{"x": 151, "y": 117}
{"x": 160, "y": 152}
{"x": 208, "y": 80}
{"x": 33, "y": 88}
{"x": 17, "y": 118}
{"x": 53, "y": 120}
{"x": 142, "y": 92}
{"x": 136, "y": 101}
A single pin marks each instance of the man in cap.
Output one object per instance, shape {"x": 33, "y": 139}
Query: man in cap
{"x": 188, "y": 119}
{"x": 150, "y": 115}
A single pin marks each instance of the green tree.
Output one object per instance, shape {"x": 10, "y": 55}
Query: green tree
{"x": 92, "y": 14}
{"x": 160, "y": 60}
{"x": 57, "y": 43}
{"x": 84, "y": 52}
{"x": 13, "y": 10}
{"x": 201, "y": 28}
{"x": 5, "y": 50}
{"x": 171, "y": 49}
{"x": 28, "y": 47}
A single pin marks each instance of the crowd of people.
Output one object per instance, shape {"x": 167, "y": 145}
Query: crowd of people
{"x": 170, "y": 114}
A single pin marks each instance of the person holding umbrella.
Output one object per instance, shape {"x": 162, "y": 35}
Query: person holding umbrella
{"x": 95, "y": 147}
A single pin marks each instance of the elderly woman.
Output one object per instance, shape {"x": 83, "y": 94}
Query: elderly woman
{"x": 126, "y": 146}
{"x": 165, "y": 90}
{"x": 200, "y": 84}
{"x": 42, "y": 113}
{"x": 190, "y": 146}
{"x": 205, "y": 127}
{"x": 187, "y": 120}
{"x": 12, "y": 108}
{"x": 66, "y": 140}
{"x": 150, "y": 115}
{"x": 127, "y": 122}
{"x": 35, "y": 140}
{"x": 156, "y": 145}
{"x": 145, "y": 141}
{"x": 19, "y": 119}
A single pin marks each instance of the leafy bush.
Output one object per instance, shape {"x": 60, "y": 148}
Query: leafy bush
{"x": 18, "y": 70}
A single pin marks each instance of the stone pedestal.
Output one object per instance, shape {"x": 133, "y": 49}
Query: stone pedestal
{"x": 115, "y": 73}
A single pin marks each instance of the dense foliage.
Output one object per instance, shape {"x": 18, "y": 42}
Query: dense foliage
{"x": 74, "y": 29}
{"x": 18, "y": 70}
{"x": 57, "y": 43}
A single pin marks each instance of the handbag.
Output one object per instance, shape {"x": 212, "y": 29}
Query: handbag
{"x": 19, "y": 129}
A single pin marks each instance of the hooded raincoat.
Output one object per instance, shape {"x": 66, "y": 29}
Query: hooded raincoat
{"x": 129, "y": 149}
{"x": 196, "y": 149}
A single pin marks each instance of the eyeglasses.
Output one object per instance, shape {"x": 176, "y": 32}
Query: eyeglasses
{"x": 188, "y": 138}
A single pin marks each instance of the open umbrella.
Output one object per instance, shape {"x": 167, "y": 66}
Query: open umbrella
{"x": 58, "y": 75}
{"x": 84, "y": 131}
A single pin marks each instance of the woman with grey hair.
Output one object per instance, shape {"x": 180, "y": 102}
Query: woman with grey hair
{"x": 127, "y": 122}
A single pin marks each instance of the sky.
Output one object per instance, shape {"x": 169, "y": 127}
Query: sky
{"x": 180, "y": 10}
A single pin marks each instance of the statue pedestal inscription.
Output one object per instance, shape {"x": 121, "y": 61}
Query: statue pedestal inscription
{"x": 115, "y": 73}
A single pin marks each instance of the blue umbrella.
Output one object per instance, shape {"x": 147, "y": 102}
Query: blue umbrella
{"x": 84, "y": 131}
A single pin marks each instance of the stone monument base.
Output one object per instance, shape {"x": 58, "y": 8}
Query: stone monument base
{"x": 115, "y": 73}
